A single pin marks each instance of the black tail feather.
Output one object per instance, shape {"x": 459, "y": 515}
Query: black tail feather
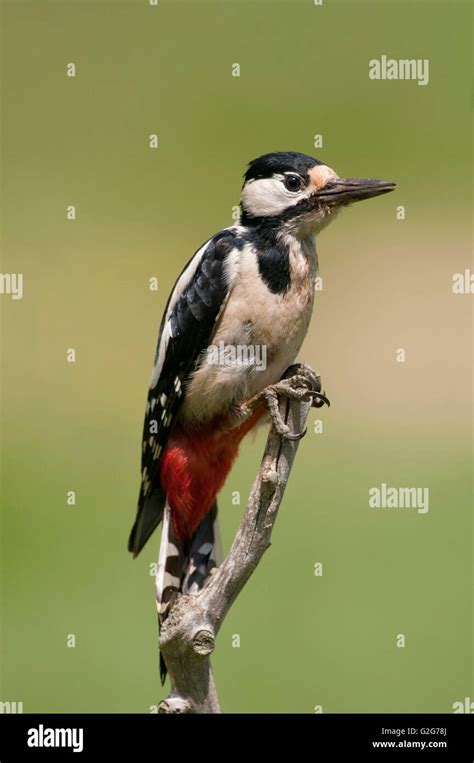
{"x": 148, "y": 518}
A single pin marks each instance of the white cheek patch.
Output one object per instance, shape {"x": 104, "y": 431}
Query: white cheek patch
{"x": 268, "y": 196}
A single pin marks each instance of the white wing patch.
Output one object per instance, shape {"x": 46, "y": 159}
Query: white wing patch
{"x": 180, "y": 285}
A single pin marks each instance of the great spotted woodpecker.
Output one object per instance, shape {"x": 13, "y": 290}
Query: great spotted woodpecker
{"x": 250, "y": 285}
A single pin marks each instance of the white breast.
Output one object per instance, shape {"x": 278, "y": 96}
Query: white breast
{"x": 275, "y": 323}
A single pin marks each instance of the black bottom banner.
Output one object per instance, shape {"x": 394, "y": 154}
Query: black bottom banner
{"x": 139, "y": 737}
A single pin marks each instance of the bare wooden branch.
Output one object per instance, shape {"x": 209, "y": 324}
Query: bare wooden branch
{"x": 189, "y": 632}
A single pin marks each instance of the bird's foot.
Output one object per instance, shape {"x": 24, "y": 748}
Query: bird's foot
{"x": 298, "y": 383}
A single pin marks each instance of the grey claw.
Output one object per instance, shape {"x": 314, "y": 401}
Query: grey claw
{"x": 295, "y": 437}
{"x": 319, "y": 399}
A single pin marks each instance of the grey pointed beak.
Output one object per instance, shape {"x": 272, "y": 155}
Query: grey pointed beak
{"x": 347, "y": 190}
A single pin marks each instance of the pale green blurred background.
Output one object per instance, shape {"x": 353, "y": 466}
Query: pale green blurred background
{"x": 305, "y": 640}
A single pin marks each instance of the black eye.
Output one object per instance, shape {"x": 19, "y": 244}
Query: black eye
{"x": 293, "y": 183}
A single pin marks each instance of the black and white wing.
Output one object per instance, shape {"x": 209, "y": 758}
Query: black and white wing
{"x": 197, "y": 300}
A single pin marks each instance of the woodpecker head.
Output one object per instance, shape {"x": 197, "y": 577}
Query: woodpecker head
{"x": 299, "y": 194}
